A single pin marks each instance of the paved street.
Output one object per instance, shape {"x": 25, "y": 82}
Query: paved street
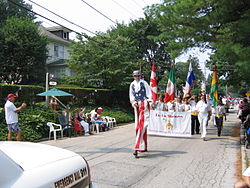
{"x": 170, "y": 162}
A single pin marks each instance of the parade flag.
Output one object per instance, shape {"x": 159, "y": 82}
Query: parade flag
{"x": 189, "y": 81}
{"x": 153, "y": 83}
{"x": 169, "y": 96}
{"x": 214, "y": 87}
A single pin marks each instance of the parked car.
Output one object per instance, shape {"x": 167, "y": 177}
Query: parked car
{"x": 26, "y": 164}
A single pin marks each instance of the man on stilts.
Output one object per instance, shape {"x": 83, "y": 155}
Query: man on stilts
{"x": 140, "y": 97}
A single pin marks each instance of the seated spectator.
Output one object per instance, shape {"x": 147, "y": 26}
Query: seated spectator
{"x": 96, "y": 118}
{"x": 88, "y": 120}
{"x": 82, "y": 113}
{"x": 77, "y": 124}
{"x": 65, "y": 124}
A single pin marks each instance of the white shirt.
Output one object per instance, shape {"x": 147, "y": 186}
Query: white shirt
{"x": 161, "y": 106}
{"x": 10, "y": 114}
{"x": 93, "y": 115}
{"x": 220, "y": 110}
{"x": 179, "y": 107}
{"x": 187, "y": 107}
{"x": 193, "y": 105}
{"x": 171, "y": 106}
{"x": 203, "y": 108}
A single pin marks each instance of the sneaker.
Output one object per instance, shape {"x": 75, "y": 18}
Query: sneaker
{"x": 204, "y": 139}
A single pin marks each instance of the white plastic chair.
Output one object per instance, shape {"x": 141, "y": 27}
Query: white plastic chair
{"x": 53, "y": 127}
{"x": 108, "y": 121}
{"x": 113, "y": 121}
{"x": 95, "y": 126}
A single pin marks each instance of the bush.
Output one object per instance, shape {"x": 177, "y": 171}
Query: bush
{"x": 32, "y": 122}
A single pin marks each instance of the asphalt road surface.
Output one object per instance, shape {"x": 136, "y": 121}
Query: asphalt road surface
{"x": 170, "y": 162}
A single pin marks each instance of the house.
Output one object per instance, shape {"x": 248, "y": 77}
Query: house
{"x": 58, "y": 50}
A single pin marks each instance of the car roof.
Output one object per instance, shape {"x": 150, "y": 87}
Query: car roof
{"x": 31, "y": 155}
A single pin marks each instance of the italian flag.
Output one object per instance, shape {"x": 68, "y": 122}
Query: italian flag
{"x": 153, "y": 83}
{"x": 169, "y": 96}
{"x": 214, "y": 87}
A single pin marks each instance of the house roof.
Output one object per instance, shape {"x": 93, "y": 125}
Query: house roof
{"x": 57, "y": 28}
{"x": 56, "y": 62}
{"x": 44, "y": 31}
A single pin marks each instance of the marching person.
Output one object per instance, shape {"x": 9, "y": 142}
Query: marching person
{"x": 179, "y": 107}
{"x": 204, "y": 113}
{"x": 140, "y": 98}
{"x": 11, "y": 116}
{"x": 195, "y": 124}
{"x": 220, "y": 112}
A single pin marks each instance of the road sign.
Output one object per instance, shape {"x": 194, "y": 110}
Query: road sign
{"x": 53, "y": 83}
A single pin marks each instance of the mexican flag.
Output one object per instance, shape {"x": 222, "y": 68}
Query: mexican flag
{"x": 153, "y": 83}
{"x": 170, "y": 91}
{"x": 214, "y": 87}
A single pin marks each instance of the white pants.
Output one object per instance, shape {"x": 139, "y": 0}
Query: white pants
{"x": 85, "y": 125}
{"x": 203, "y": 124}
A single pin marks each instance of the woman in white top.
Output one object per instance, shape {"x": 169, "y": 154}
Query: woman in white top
{"x": 204, "y": 113}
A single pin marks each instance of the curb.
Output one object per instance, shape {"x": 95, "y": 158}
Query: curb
{"x": 244, "y": 152}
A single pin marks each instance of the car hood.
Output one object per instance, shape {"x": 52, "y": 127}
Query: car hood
{"x": 31, "y": 155}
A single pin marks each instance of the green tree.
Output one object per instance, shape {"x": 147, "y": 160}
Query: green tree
{"x": 181, "y": 71}
{"x": 148, "y": 49}
{"x": 103, "y": 61}
{"x": 13, "y": 8}
{"x": 219, "y": 25}
{"x": 22, "y": 53}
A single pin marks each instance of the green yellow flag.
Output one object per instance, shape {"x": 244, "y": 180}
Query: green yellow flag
{"x": 214, "y": 87}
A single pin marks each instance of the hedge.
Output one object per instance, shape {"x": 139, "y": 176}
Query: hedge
{"x": 82, "y": 96}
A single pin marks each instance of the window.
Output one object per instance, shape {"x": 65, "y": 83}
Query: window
{"x": 65, "y": 35}
{"x": 56, "y": 50}
{"x": 59, "y": 51}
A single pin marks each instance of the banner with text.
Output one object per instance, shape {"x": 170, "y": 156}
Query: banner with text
{"x": 176, "y": 124}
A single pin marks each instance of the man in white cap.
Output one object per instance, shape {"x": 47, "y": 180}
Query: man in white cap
{"x": 140, "y": 98}
{"x": 11, "y": 116}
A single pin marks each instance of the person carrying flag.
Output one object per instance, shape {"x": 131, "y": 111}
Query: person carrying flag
{"x": 140, "y": 96}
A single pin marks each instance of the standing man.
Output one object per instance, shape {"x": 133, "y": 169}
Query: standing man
{"x": 140, "y": 98}
{"x": 204, "y": 113}
{"x": 11, "y": 117}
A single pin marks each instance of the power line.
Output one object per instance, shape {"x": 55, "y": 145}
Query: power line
{"x": 62, "y": 17}
{"x": 124, "y": 8}
{"x": 81, "y": 34}
{"x": 98, "y": 11}
{"x": 137, "y": 4}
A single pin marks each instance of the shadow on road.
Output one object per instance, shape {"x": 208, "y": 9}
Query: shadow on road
{"x": 157, "y": 153}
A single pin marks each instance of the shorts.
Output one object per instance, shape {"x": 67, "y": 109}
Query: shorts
{"x": 14, "y": 127}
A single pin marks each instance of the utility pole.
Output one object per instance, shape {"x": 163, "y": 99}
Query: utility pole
{"x": 47, "y": 88}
